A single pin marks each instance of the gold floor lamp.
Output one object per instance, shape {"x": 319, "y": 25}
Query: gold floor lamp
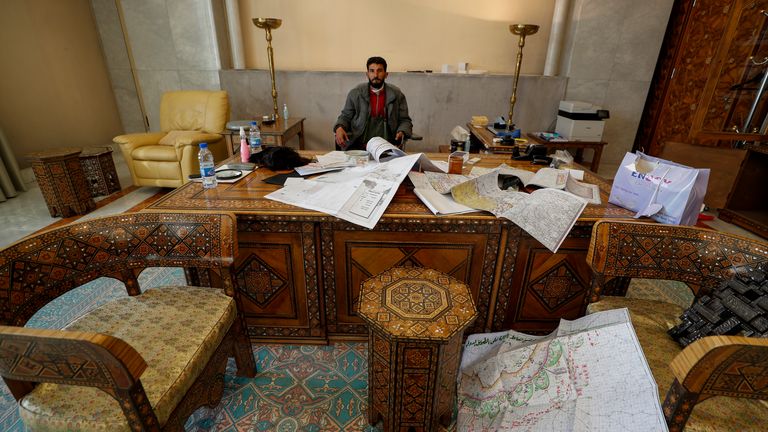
{"x": 521, "y": 30}
{"x": 269, "y": 24}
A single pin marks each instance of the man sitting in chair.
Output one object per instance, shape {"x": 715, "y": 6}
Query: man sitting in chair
{"x": 372, "y": 110}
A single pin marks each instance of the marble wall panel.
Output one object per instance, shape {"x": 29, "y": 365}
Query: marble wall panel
{"x": 642, "y": 33}
{"x": 199, "y": 80}
{"x": 626, "y": 99}
{"x": 153, "y": 84}
{"x": 437, "y": 102}
{"x": 112, "y": 41}
{"x": 192, "y": 31}
{"x": 150, "y": 35}
{"x": 597, "y": 25}
{"x": 127, "y": 100}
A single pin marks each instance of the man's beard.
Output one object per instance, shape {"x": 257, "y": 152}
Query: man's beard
{"x": 376, "y": 85}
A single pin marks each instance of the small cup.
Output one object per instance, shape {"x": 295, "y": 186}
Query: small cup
{"x": 360, "y": 157}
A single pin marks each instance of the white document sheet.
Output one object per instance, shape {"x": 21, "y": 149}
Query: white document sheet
{"x": 359, "y": 195}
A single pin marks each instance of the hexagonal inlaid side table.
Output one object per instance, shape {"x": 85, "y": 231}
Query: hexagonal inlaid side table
{"x": 416, "y": 320}
{"x": 62, "y": 181}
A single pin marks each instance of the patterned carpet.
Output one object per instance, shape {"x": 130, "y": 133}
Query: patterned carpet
{"x": 297, "y": 388}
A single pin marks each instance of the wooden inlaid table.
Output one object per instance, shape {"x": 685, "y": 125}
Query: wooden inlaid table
{"x": 416, "y": 317}
{"x": 277, "y": 133}
{"x": 100, "y": 170}
{"x": 62, "y": 181}
{"x": 299, "y": 271}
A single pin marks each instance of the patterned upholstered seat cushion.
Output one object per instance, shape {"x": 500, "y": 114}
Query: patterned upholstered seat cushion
{"x": 175, "y": 329}
{"x": 651, "y": 320}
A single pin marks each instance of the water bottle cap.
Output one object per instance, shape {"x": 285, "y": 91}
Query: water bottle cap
{"x": 253, "y": 123}
{"x": 203, "y": 145}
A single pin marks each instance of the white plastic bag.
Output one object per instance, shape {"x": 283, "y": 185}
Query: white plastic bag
{"x": 666, "y": 191}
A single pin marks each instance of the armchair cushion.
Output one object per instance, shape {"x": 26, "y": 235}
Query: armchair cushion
{"x": 174, "y": 136}
{"x": 651, "y": 320}
{"x": 175, "y": 329}
{"x": 155, "y": 153}
{"x": 181, "y": 138}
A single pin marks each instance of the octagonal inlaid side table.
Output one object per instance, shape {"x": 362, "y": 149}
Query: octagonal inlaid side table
{"x": 416, "y": 318}
{"x": 62, "y": 181}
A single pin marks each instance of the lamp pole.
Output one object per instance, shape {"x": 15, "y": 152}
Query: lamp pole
{"x": 521, "y": 30}
{"x": 269, "y": 24}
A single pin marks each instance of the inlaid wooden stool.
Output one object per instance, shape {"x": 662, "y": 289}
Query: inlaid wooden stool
{"x": 416, "y": 318}
{"x": 62, "y": 181}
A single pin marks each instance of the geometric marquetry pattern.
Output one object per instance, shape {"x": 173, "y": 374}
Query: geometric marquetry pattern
{"x": 258, "y": 281}
{"x": 62, "y": 182}
{"x": 416, "y": 303}
{"x": 55, "y": 361}
{"x": 417, "y": 317}
{"x": 44, "y": 266}
{"x": 557, "y": 286}
{"x": 744, "y": 374}
{"x": 699, "y": 257}
{"x": 739, "y": 371}
{"x": 99, "y": 170}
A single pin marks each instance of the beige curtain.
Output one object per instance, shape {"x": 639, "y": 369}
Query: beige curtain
{"x": 10, "y": 176}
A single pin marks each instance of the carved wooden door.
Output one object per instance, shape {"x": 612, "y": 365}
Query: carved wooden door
{"x": 708, "y": 77}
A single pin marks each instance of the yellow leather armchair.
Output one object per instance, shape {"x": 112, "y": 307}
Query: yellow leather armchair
{"x": 167, "y": 158}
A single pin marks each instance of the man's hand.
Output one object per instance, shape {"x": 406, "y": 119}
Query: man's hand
{"x": 341, "y": 137}
{"x": 398, "y": 136}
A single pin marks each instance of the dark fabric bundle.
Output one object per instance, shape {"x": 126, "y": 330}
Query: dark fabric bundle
{"x": 278, "y": 158}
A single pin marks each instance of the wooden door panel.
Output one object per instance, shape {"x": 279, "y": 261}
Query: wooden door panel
{"x": 359, "y": 255}
{"x": 548, "y": 286}
{"x": 271, "y": 280}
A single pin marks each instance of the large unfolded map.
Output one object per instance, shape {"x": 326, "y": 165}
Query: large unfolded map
{"x": 546, "y": 214}
{"x": 589, "y": 375}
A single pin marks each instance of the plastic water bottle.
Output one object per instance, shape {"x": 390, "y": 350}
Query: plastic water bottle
{"x": 245, "y": 149}
{"x": 468, "y": 143}
{"x": 207, "y": 167}
{"x": 285, "y": 112}
{"x": 255, "y": 138}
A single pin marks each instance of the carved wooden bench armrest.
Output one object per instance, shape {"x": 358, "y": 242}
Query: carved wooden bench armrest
{"x": 699, "y": 257}
{"x": 75, "y": 358}
{"x": 732, "y": 366}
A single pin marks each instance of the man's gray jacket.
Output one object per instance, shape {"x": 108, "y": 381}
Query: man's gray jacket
{"x": 357, "y": 109}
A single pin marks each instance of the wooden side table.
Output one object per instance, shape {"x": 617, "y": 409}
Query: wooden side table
{"x": 62, "y": 181}
{"x": 100, "y": 170}
{"x": 278, "y": 133}
{"x": 416, "y": 320}
{"x": 485, "y": 137}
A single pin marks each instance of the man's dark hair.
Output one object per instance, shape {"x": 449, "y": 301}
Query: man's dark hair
{"x": 377, "y": 60}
